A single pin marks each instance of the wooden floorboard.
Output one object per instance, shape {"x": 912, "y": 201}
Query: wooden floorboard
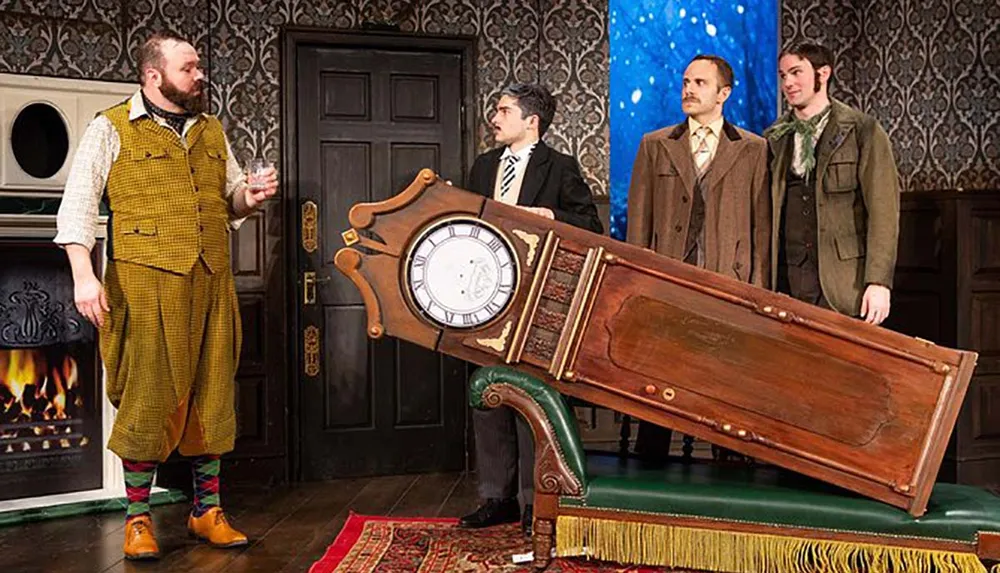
{"x": 424, "y": 499}
{"x": 254, "y": 517}
{"x": 79, "y": 542}
{"x": 463, "y": 498}
{"x": 289, "y": 527}
{"x": 288, "y": 538}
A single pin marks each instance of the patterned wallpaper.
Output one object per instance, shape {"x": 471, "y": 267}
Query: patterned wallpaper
{"x": 929, "y": 70}
{"x": 562, "y": 43}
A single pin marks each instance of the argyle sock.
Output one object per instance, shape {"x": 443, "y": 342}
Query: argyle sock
{"x": 205, "y": 470}
{"x": 138, "y": 482}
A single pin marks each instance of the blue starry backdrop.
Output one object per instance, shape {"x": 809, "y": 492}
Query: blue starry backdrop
{"x": 652, "y": 42}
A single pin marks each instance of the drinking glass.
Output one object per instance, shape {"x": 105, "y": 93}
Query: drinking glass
{"x": 257, "y": 173}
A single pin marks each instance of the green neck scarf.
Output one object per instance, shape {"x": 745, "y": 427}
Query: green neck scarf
{"x": 807, "y": 129}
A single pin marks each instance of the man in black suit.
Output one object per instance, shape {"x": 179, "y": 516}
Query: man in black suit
{"x": 527, "y": 173}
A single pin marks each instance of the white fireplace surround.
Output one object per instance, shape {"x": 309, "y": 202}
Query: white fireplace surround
{"x": 76, "y": 101}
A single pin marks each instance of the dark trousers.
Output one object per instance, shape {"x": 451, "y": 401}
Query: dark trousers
{"x": 653, "y": 441}
{"x": 505, "y": 455}
{"x": 802, "y": 282}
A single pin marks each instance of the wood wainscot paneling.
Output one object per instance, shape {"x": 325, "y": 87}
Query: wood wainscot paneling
{"x": 947, "y": 290}
{"x": 247, "y": 253}
{"x": 261, "y": 388}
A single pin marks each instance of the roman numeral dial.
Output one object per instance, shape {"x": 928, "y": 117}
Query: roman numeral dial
{"x": 461, "y": 273}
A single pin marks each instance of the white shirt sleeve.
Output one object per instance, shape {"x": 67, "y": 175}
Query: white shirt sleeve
{"x": 76, "y": 220}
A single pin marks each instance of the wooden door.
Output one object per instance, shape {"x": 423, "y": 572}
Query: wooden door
{"x": 367, "y": 119}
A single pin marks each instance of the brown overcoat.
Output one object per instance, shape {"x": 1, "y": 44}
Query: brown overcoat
{"x": 737, "y": 202}
{"x": 857, "y": 205}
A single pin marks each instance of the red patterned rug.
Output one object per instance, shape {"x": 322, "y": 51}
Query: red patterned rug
{"x": 399, "y": 545}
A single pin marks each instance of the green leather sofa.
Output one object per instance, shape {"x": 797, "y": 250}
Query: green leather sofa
{"x": 726, "y": 518}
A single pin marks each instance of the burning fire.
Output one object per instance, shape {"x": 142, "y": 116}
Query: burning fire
{"x": 32, "y": 392}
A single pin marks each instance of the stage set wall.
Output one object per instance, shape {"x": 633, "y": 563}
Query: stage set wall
{"x": 928, "y": 70}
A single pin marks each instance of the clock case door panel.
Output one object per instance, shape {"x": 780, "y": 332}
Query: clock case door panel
{"x": 367, "y": 118}
{"x": 750, "y": 370}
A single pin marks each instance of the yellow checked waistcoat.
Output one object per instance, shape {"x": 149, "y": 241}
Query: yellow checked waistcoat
{"x": 168, "y": 202}
{"x": 171, "y": 340}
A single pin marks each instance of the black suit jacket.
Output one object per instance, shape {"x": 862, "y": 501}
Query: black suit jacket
{"x": 551, "y": 180}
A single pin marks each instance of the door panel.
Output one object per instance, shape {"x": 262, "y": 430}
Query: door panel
{"x": 348, "y": 404}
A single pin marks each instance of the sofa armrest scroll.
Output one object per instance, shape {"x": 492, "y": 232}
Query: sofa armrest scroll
{"x": 560, "y": 463}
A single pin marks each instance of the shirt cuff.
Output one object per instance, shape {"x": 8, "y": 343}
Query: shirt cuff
{"x": 65, "y": 237}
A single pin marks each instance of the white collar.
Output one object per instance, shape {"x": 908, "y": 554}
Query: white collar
{"x": 520, "y": 155}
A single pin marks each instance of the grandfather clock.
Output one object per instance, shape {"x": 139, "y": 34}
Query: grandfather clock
{"x": 754, "y": 371}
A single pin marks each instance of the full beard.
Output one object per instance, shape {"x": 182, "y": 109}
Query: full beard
{"x": 192, "y": 102}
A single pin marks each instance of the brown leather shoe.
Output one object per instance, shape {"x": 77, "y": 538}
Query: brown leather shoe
{"x": 140, "y": 543}
{"x": 214, "y": 528}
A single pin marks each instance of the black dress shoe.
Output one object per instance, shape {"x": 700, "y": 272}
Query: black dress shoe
{"x": 527, "y": 520}
{"x": 493, "y": 512}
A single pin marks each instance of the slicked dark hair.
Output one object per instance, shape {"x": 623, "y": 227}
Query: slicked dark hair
{"x": 533, "y": 99}
{"x": 817, "y": 55}
{"x": 721, "y": 65}
{"x": 150, "y": 54}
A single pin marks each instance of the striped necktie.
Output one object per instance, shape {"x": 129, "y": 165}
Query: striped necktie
{"x": 702, "y": 154}
{"x": 508, "y": 175}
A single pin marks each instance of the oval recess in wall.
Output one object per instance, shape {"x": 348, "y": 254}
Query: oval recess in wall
{"x": 39, "y": 138}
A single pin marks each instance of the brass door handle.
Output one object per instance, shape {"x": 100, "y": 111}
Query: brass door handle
{"x": 309, "y": 282}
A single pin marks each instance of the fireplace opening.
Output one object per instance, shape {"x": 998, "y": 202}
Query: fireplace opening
{"x": 41, "y": 400}
{"x": 39, "y": 139}
{"x": 50, "y": 399}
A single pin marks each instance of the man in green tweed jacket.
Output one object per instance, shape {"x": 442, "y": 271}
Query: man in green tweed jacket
{"x": 834, "y": 192}
{"x": 167, "y": 309}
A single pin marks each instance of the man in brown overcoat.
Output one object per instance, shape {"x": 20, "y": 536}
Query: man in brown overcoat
{"x": 699, "y": 193}
{"x": 835, "y": 192}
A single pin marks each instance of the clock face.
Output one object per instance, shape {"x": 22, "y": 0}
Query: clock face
{"x": 461, "y": 273}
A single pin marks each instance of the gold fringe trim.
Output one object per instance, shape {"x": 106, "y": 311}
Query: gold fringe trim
{"x": 737, "y": 552}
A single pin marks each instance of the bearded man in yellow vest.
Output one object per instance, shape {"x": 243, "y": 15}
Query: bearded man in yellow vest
{"x": 167, "y": 310}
